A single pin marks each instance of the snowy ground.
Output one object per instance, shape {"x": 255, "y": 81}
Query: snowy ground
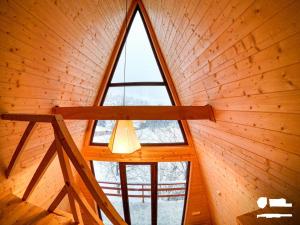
{"x": 169, "y": 212}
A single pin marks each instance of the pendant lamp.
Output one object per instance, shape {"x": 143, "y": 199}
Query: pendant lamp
{"x": 124, "y": 138}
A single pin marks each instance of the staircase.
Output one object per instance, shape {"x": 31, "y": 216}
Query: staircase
{"x": 16, "y": 211}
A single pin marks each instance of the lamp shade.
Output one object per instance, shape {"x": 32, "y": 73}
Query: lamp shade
{"x": 123, "y": 138}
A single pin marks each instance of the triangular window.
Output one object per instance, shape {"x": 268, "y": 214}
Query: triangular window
{"x": 144, "y": 84}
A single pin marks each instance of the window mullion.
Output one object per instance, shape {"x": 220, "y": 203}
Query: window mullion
{"x": 124, "y": 189}
{"x": 154, "y": 194}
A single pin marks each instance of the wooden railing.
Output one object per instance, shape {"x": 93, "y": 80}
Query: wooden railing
{"x": 142, "y": 188}
{"x": 64, "y": 146}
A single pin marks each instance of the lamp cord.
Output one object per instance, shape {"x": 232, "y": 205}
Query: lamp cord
{"x": 125, "y": 52}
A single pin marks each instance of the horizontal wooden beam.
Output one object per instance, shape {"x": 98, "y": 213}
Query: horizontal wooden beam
{"x": 48, "y": 118}
{"x": 146, "y": 154}
{"x": 136, "y": 112}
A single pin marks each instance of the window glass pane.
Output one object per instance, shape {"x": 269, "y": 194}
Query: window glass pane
{"x": 172, "y": 177}
{"x": 158, "y": 131}
{"x": 103, "y": 131}
{"x": 139, "y": 193}
{"x": 108, "y": 176}
{"x": 137, "y": 95}
{"x": 141, "y": 64}
{"x": 148, "y": 131}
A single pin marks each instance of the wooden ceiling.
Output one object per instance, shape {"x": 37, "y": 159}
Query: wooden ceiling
{"x": 242, "y": 57}
{"x": 52, "y": 53}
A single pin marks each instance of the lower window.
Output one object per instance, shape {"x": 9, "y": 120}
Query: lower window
{"x": 145, "y": 193}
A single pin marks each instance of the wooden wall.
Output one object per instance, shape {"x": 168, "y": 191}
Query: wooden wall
{"x": 51, "y": 53}
{"x": 55, "y": 53}
{"x": 243, "y": 58}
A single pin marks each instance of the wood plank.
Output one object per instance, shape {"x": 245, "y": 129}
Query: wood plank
{"x": 17, "y": 154}
{"x": 74, "y": 191}
{"x": 58, "y": 199}
{"x": 15, "y": 211}
{"x": 46, "y": 161}
{"x": 146, "y": 154}
{"x": 136, "y": 112}
{"x": 164, "y": 66}
{"x": 114, "y": 54}
{"x": 254, "y": 120}
{"x": 69, "y": 180}
{"x": 84, "y": 171}
{"x": 47, "y": 118}
{"x": 52, "y": 53}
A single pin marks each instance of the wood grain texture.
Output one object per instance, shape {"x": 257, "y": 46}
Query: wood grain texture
{"x": 198, "y": 199}
{"x": 16, "y": 211}
{"x": 136, "y": 113}
{"x": 242, "y": 58}
{"x": 52, "y": 52}
{"x": 82, "y": 168}
{"x": 21, "y": 145}
{"x": 40, "y": 171}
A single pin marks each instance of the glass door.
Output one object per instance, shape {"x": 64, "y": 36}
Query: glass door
{"x": 140, "y": 192}
{"x": 108, "y": 176}
{"x": 152, "y": 193}
{"x": 172, "y": 188}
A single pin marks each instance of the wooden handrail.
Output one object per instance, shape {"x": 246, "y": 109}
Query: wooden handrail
{"x": 84, "y": 171}
{"x": 143, "y": 189}
{"x": 67, "y": 151}
{"x": 160, "y": 184}
{"x": 146, "y": 196}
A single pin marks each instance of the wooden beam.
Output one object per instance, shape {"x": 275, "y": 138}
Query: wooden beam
{"x": 68, "y": 177}
{"x": 58, "y": 199}
{"x": 147, "y": 153}
{"x": 84, "y": 204}
{"x": 84, "y": 171}
{"x": 28, "y": 117}
{"x": 46, "y": 161}
{"x": 136, "y": 112}
{"x": 20, "y": 148}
